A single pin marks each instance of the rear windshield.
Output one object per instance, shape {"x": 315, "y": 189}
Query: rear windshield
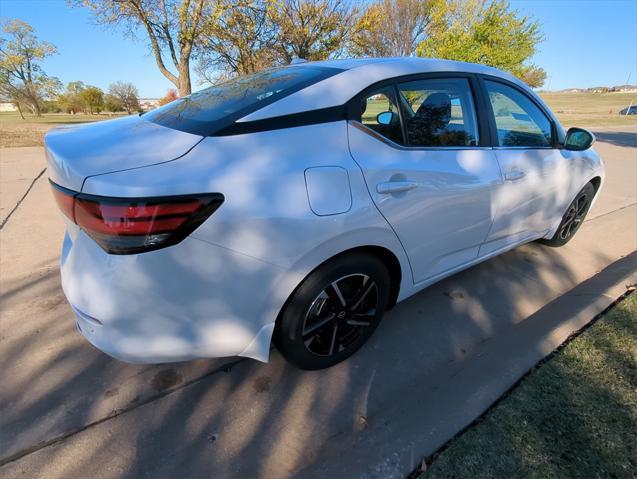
{"x": 209, "y": 110}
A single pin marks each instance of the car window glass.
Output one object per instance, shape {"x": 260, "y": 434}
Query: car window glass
{"x": 380, "y": 113}
{"x": 439, "y": 112}
{"x": 204, "y": 110}
{"x": 518, "y": 120}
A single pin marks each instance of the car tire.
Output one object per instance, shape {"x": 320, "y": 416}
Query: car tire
{"x": 333, "y": 311}
{"x": 573, "y": 218}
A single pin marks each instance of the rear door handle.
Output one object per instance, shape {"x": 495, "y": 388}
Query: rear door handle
{"x": 514, "y": 175}
{"x": 389, "y": 187}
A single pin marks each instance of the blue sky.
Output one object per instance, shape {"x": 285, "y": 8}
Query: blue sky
{"x": 587, "y": 43}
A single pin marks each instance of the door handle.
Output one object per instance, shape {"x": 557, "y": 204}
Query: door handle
{"x": 514, "y": 175}
{"x": 389, "y": 187}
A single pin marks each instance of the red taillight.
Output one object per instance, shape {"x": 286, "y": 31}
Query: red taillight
{"x": 65, "y": 200}
{"x": 133, "y": 219}
{"x": 135, "y": 225}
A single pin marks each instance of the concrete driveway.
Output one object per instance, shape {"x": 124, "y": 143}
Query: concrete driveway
{"x": 437, "y": 361}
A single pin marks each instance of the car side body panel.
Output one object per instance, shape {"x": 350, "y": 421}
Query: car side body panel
{"x": 447, "y": 215}
{"x": 266, "y": 231}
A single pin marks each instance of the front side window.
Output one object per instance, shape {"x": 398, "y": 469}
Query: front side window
{"x": 380, "y": 113}
{"x": 203, "y": 111}
{"x": 518, "y": 120}
{"x": 439, "y": 112}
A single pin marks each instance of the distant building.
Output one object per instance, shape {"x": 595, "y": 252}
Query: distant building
{"x": 626, "y": 88}
{"x": 148, "y": 103}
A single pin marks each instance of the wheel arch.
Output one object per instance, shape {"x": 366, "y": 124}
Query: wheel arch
{"x": 596, "y": 182}
{"x": 388, "y": 258}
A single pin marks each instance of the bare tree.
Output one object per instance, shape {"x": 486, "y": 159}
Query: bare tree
{"x": 391, "y": 28}
{"x": 173, "y": 29}
{"x": 245, "y": 36}
{"x": 127, "y": 94}
{"x": 312, "y": 29}
{"x": 238, "y": 39}
{"x": 22, "y": 80}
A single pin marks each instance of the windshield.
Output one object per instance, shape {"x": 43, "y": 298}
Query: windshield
{"x": 206, "y": 111}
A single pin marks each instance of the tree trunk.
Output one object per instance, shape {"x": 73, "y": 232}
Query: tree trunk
{"x": 19, "y": 110}
{"x": 37, "y": 110}
{"x": 184, "y": 79}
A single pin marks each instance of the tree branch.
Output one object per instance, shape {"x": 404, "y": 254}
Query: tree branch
{"x": 141, "y": 15}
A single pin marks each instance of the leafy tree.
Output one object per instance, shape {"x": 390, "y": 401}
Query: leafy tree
{"x": 311, "y": 29}
{"x": 246, "y": 36}
{"x": 127, "y": 94}
{"x": 112, "y": 103}
{"x": 173, "y": 29}
{"x": 93, "y": 99}
{"x": 171, "y": 95}
{"x": 391, "y": 28}
{"x": 238, "y": 39}
{"x": 22, "y": 80}
{"x": 533, "y": 76}
{"x": 71, "y": 100}
{"x": 486, "y": 32}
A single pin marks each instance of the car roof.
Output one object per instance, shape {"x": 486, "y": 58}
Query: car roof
{"x": 399, "y": 63}
{"x": 359, "y": 73}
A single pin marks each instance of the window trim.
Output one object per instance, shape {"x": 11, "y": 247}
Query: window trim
{"x": 554, "y": 144}
{"x": 474, "y": 107}
{"x": 390, "y": 88}
{"x": 229, "y": 124}
{"x": 485, "y": 133}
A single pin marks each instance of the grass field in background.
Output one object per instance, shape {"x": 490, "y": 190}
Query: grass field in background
{"x": 573, "y": 416}
{"x": 587, "y": 110}
{"x": 14, "y": 131}
{"x": 590, "y": 110}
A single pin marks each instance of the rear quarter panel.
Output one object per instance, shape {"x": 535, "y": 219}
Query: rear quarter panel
{"x": 266, "y": 214}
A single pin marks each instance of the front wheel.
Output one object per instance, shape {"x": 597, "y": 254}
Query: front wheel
{"x": 573, "y": 218}
{"x": 334, "y": 311}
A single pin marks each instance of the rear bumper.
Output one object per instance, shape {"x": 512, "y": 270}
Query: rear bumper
{"x": 192, "y": 300}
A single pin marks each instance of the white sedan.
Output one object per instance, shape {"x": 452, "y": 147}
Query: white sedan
{"x": 298, "y": 204}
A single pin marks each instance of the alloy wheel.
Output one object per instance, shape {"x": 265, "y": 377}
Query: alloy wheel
{"x": 339, "y": 314}
{"x": 574, "y": 216}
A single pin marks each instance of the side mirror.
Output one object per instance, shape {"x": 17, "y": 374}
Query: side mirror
{"x": 578, "y": 139}
{"x": 386, "y": 118}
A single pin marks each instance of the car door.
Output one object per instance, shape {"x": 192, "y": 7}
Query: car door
{"x": 536, "y": 174}
{"x": 428, "y": 168}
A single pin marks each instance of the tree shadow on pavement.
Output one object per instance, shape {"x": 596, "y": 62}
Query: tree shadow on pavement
{"x": 247, "y": 419}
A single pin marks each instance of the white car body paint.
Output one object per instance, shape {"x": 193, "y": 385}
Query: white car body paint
{"x": 328, "y": 190}
{"x": 294, "y": 198}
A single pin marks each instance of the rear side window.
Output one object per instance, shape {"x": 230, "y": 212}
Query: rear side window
{"x": 439, "y": 112}
{"x": 518, "y": 120}
{"x": 206, "y": 111}
{"x": 379, "y": 112}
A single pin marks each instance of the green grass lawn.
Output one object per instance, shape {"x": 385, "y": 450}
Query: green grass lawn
{"x": 573, "y": 416}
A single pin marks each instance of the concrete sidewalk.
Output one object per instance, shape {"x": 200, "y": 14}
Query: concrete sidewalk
{"x": 435, "y": 363}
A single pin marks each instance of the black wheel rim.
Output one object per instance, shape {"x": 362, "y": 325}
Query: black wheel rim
{"x": 574, "y": 216}
{"x": 339, "y": 314}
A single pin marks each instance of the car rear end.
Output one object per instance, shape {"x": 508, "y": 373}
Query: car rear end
{"x": 144, "y": 287}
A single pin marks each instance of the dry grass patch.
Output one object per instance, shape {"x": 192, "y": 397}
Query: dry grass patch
{"x": 14, "y": 131}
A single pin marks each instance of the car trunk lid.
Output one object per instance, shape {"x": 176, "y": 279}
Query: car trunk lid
{"x": 76, "y": 152}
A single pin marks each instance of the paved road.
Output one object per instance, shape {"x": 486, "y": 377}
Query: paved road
{"x": 438, "y": 360}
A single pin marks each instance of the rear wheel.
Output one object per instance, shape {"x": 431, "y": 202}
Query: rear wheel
{"x": 334, "y": 311}
{"x": 573, "y": 218}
